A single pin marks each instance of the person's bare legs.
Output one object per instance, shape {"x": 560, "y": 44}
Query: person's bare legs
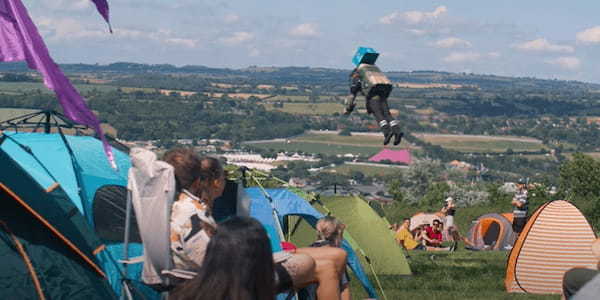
{"x": 345, "y": 293}
{"x": 438, "y": 249}
{"x": 336, "y": 255}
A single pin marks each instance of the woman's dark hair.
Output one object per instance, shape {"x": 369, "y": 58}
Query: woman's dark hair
{"x": 238, "y": 265}
{"x": 193, "y": 173}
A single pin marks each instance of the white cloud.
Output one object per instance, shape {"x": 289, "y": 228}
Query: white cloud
{"x": 66, "y": 29}
{"x": 305, "y": 30}
{"x": 542, "y": 45}
{"x": 69, "y": 29}
{"x": 237, "y": 38}
{"x": 73, "y": 5}
{"x": 589, "y": 36}
{"x": 462, "y": 57}
{"x": 231, "y": 18}
{"x": 566, "y": 62}
{"x": 254, "y": 52}
{"x": 452, "y": 42}
{"x": 417, "y": 32}
{"x": 494, "y": 54}
{"x": 414, "y": 16}
{"x": 189, "y": 43}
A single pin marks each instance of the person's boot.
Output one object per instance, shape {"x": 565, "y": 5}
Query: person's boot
{"x": 387, "y": 132}
{"x": 397, "y": 133}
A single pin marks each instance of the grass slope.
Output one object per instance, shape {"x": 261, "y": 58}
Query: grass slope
{"x": 459, "y": 275}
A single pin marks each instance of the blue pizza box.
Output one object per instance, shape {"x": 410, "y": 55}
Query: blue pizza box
{"x": 365, "y": 55}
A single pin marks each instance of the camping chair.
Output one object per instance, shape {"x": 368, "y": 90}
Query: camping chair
{"x": 151, "y": 191}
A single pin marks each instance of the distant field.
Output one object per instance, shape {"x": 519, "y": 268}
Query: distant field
{"x": 476, "y": 143}
{"x": 243, "y": 96}
{"x": 367, "y": 170}
{"x": 289, "y": 98}
{"x": 21, "y": 87}
{"x": 136, "y": 89}
{"x": 323, "y": 148}
{"x": 308, "y": 108}
{"x": 355, "y": 140}
{"x": 428, "y": 85}
{"x": 9, "y": 113}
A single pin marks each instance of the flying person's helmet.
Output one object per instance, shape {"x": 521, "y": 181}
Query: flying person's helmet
{"x": 365, "y": 55}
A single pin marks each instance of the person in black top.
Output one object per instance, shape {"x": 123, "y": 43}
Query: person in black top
{"x": 368, "y": 80}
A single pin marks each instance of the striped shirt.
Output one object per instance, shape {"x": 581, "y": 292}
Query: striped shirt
{"x": 520, "y": 196}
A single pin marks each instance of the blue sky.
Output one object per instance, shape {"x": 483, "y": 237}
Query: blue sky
{"x": 545, "y": 39}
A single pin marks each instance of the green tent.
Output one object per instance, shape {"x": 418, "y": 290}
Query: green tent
{"x": 368, "y": 232}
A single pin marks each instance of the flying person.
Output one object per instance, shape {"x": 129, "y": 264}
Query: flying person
{"x": 368, "y": 80}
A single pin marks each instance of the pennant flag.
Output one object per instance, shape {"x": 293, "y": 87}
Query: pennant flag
{"x": 102, "y": 7}
{"x": 20, "y": 41}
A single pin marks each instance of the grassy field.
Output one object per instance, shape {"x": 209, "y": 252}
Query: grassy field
{"x": 367, "y": 170}
{"x": 355, "y": 140}
{"x": 289, "y": 98}
{"x": 468, "y": 143}
{"x": 21, "y": 87}
{"x": 323, "y": 148}
{"x": 459, "y": 275}
{"x": 9, "y": 113}
{"x": 308, "y": 108}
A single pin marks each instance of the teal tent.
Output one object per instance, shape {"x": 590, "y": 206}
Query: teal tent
{"x": 287, "y": 204}
{"x": 63, "y": 187}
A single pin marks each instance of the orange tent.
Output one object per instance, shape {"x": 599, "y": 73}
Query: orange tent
{"x": 556, "y": 238}
{"x": 492, "y": 232}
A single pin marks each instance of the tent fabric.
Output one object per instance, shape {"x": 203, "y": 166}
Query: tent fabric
{"x": 556, "y": 238}
{"x": 371, "y": 232}
{"x": 492, "y": 230}
{"x": 286, "y": 204}
{"x": 397, "y": 156}
{"x": 421, "y": 218}
{"x": 63, "y": 272}
{"x": 151, "y": 188}
{"x": 55, "y": 159}
{"x": 45, "y": 161}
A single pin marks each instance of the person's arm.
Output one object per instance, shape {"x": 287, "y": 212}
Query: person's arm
{"x": 444, "y": 209}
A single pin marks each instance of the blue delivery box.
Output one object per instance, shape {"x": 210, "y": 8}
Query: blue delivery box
{"x": 365, "y": 55}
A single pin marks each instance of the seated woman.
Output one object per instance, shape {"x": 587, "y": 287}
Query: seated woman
{"x": 330, "y": 233}
{"x": 238, "y": 244}
{"x": 199, "y": 182}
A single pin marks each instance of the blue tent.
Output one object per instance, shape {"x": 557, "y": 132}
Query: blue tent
{"x": 286, "y": 203}
{"x": 79, "y": 166}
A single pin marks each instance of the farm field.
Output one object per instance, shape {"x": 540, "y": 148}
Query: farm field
{"x": 289, "y": 98}
{"x": 21, "y": 87}
{"x": 367, "y": 170}
{"x": 308, "y": 108}
{"x": 9, "y": 113}
{"x": 372, "y": 140}
{"x": 477, "y": 143}
{"x": 322, "y": 148}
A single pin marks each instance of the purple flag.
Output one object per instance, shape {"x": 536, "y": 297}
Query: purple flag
{"x": 102, "y": 7}
{"x": 20, "y": 41}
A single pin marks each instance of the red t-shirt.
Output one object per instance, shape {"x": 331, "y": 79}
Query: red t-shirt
{"x": 433, "y": 235}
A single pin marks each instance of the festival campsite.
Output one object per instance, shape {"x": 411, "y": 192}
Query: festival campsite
{"x": 145, "y": 182}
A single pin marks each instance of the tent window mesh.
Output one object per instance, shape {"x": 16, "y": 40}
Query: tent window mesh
{"x": 110, "y": 211}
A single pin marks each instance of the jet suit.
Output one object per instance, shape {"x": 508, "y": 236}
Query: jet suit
{"x": 368, "y": 80}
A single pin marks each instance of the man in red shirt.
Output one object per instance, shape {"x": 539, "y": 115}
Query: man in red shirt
{"x": 434, "y": 238}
